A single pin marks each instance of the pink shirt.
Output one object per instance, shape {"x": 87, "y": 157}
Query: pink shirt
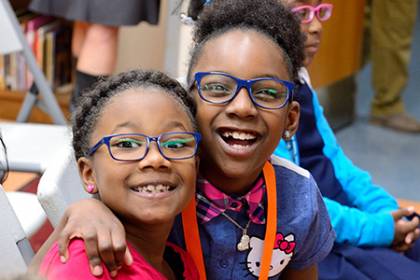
{"x": 77, "y": 266}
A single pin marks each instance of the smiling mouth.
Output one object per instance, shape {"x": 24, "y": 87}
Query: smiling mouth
{"x": 238, "y": 138}
{"x": 154, "y": 188}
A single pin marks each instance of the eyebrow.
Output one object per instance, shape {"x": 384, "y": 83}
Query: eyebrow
{"x": 170, "y": 125}
{"x": 175, "y": 124}
{"x": 256, "y": 77}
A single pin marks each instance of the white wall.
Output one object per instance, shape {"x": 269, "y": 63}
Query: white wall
{"x": 163, "y": 47}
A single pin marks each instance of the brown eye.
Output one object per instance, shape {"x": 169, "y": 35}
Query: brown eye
{"x": 303, "y": 14}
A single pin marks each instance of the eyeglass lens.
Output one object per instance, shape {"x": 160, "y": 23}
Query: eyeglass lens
{"x": 307, "y": 13}
{"x": 134, "y": 147}
{"x": 268, "y": 92}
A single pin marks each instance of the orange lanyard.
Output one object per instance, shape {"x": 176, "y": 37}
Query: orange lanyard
{"x": 192, "y": 236}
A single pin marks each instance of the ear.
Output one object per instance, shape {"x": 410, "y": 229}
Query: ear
{"x": 292, "y": 122}
{"x": 87, "y": 174}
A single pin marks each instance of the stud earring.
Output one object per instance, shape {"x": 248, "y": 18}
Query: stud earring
{"x": 90, "y": 188}
{"x": 286, "y": 135}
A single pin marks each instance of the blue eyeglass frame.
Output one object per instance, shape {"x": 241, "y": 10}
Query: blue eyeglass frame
{"x": 240, "y": 83}
{"x": 106, "y": 141}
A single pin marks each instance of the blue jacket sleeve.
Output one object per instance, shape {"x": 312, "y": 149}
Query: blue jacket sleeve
{"x": 370, "y": 221}
{"x": 360, "y": 228}
{"x": 357, "y": 183}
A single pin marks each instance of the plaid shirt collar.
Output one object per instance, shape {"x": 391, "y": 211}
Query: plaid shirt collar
{"x": 211, "y": 202}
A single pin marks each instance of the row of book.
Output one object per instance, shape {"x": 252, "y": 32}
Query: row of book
{"x": 50, "y": 41}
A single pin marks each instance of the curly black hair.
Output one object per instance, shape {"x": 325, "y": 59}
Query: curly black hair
{"x": 269, "y": 17}
{"x": 91, "y": 104}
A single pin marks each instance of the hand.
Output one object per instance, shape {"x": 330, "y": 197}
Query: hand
{"x": 102, "y": 232}
{"x": 406, "y": 232}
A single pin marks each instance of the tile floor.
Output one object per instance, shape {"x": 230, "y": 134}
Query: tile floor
{"x": 392, "y": 158}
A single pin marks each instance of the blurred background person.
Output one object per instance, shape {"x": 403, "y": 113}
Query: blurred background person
{"x": 391, "y": 30}
{"x": 95, "y": 33}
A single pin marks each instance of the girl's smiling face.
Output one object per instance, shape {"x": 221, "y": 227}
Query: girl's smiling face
{"x": 228, "y": 161}
{"x": 154, "y": 189}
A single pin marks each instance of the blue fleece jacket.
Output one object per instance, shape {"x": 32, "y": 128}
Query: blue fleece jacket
{"x": 359, "y": 210}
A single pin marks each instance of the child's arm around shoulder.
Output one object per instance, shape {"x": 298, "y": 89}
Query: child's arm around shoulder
{"x": 102, "y": 233}
{"x": 76, "y": 267}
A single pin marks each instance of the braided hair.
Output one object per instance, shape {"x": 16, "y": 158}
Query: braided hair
{"x": 268, "y": 17}
{"x": 92, "y": 103}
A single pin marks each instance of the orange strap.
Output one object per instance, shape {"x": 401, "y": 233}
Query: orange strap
{"x": 271, "y": 228}
{"x": 192, "y": 236}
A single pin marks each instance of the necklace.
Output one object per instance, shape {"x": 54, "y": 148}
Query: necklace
{"x": 243, "y": 244}
{"x": 192, "y": 235}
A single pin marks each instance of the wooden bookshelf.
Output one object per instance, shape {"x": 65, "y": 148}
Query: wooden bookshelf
{"x": 11, "y": 101}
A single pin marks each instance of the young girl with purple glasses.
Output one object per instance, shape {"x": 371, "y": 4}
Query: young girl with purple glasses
{"x": 374, "y": 239}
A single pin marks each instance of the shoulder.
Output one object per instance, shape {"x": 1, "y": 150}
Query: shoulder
{"x": 76, "y": 267}
{"x": 300, "y": 204}
{"x": 285, "y": 166}
{"x": 292, "y": 178}
{"x": 298, "y": 196}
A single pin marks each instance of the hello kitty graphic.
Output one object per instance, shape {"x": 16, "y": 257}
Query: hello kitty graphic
{"x": 283, "y": 251}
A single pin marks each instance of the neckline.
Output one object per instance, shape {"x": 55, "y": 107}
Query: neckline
{"x": 171, "y": 256}
{"x": 192, "y": 237}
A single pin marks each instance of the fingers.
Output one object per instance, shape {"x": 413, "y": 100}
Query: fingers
{"x": 412, "y": 236}
{"x": 408, "y": 226}
{"x": 64, "y": 239}
{"x": 128, "y": 258}
{"x": 409, "y": 238}
{"x": 92, "y": 252}
{"x": 114, "y": 250}
{"x": 400, "y": 213}
{"x": 416, "y": 234}
{"x": 406, "y": 245}
{"x": 120, "y": 251}
{"x": 402, "y": 247}
{"x": 63, "y": 242}
{"x": 408, "y": 233}
{"x": 103, "y": 234}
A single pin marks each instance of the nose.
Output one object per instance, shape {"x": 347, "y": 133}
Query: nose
{"x": 315, "y": 26}
{"x": 242, "y": 105}
{"x": 154, "y": 159}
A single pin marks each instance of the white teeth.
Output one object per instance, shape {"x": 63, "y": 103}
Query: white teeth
{"x": 153, "y": 188}
{"x": 239, "y": 135}
{"x": 161, "y": 188}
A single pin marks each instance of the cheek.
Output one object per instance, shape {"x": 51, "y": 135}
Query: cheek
{"x": 189, "y": 175}
{"x": 109, "y": 174}
{"x": 205, "y": 115}
{"x": 304, "y": 28}
{"x": 276, "y": 119}
{"x": 276, "y": 124}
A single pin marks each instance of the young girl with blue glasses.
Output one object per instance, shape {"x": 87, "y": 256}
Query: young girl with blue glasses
{"x": 135, "y": 142}
{"x": 258, "y": 217}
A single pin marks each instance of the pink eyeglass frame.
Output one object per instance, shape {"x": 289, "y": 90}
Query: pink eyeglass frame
{"x": 314, "y": 11}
